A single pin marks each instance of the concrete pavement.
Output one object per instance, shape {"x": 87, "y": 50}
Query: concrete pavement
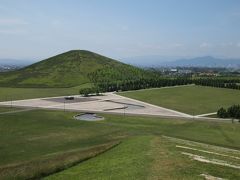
{"x": 108, "y": 103}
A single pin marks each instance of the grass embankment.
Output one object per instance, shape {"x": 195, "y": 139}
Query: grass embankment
{"x": 28, "y": 135}
{"x": 192, "y": 100}
{"x": 36, "y": 143}
{"x": 127, "y": 161}
{"x": 52, "y": 163}
{"x": 41, "y": 138}
{"x": 8, "y": 94}
{"x": 153, "y": 157}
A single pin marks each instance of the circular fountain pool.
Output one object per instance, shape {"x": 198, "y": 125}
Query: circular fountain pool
{"x": 88, "y": 117}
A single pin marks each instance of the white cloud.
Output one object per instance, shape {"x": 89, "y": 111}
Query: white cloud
{"x": 227, "y": 44}
{"x": 12, "y": 21}
{"x": 123, "y": 27}
{"x": 12, "y": 31}
{"x": 206, "y": 45}
{"x": 177, "y": 45}
{"x": 238, "y": 44}
{"x": 12, "y": 26}
{"x": 149, "y": 46}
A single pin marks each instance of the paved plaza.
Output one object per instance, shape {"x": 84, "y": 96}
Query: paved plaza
{"x": 107, "y": 103}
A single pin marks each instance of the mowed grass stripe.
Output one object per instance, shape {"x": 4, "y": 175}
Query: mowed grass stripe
{"x": 169, "y": 163}
{"x": 193, "y": 100}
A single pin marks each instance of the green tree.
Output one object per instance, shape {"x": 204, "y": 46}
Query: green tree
{"x": 222, "y": 113}
{"x": 87, "y": 91}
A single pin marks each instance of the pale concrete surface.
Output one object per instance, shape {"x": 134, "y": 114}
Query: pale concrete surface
{"x": 208, "y": 114}
{"x": 108, "y": 103}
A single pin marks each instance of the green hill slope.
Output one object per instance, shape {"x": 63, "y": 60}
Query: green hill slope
{"x": 69, "y": 69}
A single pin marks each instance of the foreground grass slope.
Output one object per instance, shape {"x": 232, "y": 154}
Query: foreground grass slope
{"x": 40, "y": 139}
{"x": 69, "y": 69}
{"x": 153, "y": 157}
{"x": 193, "y": 100}
{"x": 44, "y": 166}
{"x": 28, "y": 135}
{"x": 129, "y": 160}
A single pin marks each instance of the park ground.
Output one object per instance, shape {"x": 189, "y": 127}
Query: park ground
{"x": 51, "y": 144}
{"x": 193, "y": 100}
{"x": 8, "y": 93}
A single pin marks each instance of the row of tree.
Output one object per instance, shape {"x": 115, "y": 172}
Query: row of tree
{"x": 89, "y": 91}
{"x": 231, "y": 112}
{"x": 132, "y": 85}
{"x": 140, "y": 84}
{"x": 220, "y": 83}
{"x": 144, "y": 83}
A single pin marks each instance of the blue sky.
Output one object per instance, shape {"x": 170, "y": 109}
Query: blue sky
{"x": 36, "y": 29}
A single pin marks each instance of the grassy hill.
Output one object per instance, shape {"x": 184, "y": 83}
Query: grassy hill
{"x": 70, "y": 69}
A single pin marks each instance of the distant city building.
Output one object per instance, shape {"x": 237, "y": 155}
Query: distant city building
{"x": 184, "y": 71}
{"x": 173, "y": 70}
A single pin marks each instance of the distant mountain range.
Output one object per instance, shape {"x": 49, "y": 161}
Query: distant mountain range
{"x": 149, "y": 61}
{"x": 205, "y": 61}
{"x": 153, "y": 61}
{"x": 12, "y": 64}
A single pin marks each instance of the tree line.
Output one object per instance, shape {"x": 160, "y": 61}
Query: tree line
{"x": 220, "y": 83}
{"x": 133, "y": 85}
{"x": 231, "y": 112}
{"x": 141, "y": 84}
{"x": 145, "y": 83}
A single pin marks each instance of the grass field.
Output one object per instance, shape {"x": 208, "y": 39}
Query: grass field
{"x": 7, "y": 109}
{"x": 152, "y": 157}
{"x": 192, "y": 100}
{"x": 7, "y": 94}
{"x": 50, "y": 141}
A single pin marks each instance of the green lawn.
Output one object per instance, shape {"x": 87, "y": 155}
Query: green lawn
{"x": 7, "y": 109}
{"x": 7, "y": 94}
{"x": 150, "y": 157}
{"x": 128, "y": 161}
{"x": 50, "y": 141}
{"x": 29, "y": 135}
{"x": 192, "y": 100}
